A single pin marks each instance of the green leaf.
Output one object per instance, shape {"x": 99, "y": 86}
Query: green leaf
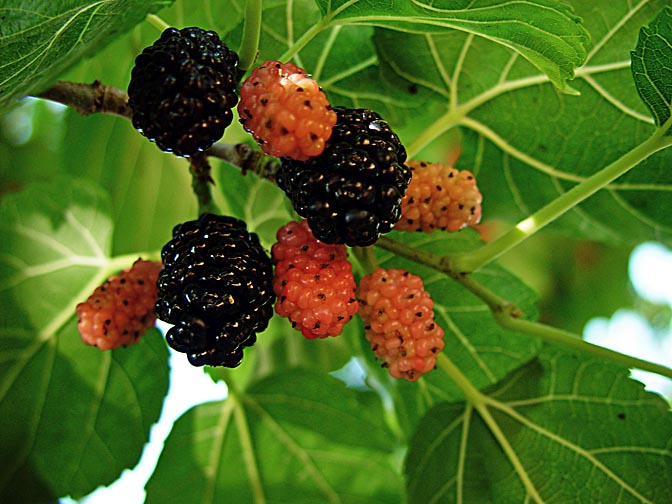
{"x": 73, "y": 417}
{"x": 652, "y": 66}
{"x": 294, "y": 437}
{"x": 579, "y": 431}
{"x": 545, "y": 32}
{"x": 40, "y": 39}
{"x": 526, "y": 142}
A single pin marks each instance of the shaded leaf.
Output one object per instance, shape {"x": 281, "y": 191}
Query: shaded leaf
{"x": 652, "y": 66}
{"x": 73, "y": 417}
{"x": 298, "y": 436}
{"x": 526, "y": 142}
{"x": 579, "y": 430}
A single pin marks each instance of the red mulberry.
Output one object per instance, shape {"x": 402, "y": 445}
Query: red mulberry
{"x": 439, "y": 197}
{"x": 399, "y": 322}
{"x": 121, "y": 310}
{"x": 286, "y": 111}
{"x": 313, "y": 281}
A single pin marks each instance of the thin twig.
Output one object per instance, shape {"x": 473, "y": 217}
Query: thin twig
{"x": 89, "y": 98}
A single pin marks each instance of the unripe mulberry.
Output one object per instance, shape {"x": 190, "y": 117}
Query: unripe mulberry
{"x": 399, "y": 322}
{"x": 313, "y": 281}
{"x": 216, "y": 288}
{"x": 351, "y": 193}
{"x": 439, "y": 197}
{"x": 286, "y": 111}
{"x": 121, "y": 310}
{"x": 182, "y": 90}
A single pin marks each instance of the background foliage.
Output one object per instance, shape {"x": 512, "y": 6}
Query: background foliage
{"x": 82, "y": 197}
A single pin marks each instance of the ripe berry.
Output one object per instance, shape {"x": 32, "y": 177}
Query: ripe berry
{"x": 182, "y": 90}
{"x": 439, "y": 197}
{"x": 286, "y": 111}
{"x": 313, "y": 281}
{"x": 121, "y": 310}
{"x": 399, "y": 322}
{"x": 351, "y": 193}
{"x": 216, "y": 288}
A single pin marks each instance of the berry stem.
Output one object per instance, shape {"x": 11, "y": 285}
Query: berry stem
{"x": 247, "y": 158}
{"x": 366, "y": 258}
{"x": 472, "y": 261}
{"x": 200, "y": 183}
{"x": 479, "y": 402}
{"x": 249, "y": 46}
{"x": 508, "y": 315}
{"x": 157, "y": 22}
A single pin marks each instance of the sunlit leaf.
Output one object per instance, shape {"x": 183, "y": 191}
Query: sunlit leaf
{"x": 545, "y": 32}
{"x": 575, "y": 430}
{"x": 39, "y": 40}
{"x": 651, "y": 66}
{"x": 295, "y": 437}
{"x": 73, "y": 417}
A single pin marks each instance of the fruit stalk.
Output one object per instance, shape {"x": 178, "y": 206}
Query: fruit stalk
{"x": 200, "y": 182}
{"x": 249, "y": 46}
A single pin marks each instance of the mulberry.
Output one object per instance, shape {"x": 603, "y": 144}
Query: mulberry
{"x": 216, "y": 288}
{"x": 286, "y": 111}
{"x": 351, "y": 193}
{"x": 182, "y": 90}
{"x": 121, "y": 310}
{"x": 439, "y": 197}
{"x": 399, "y": 322}
{"x": 313, "y": 281}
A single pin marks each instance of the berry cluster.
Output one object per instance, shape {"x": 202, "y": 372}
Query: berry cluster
{"x": 439, "y": 197}
{"x": 399, "y": 322}
{"x": 286, "y": 111}
{"x": 215, "y": 288}
{"x": 121, "y": 310}
{"x": 313, "y": 281}
{"x": 346, "y": 174}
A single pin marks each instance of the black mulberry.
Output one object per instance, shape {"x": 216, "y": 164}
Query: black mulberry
{"x": 216, "y": 288}
{"x": 182, "y": 90}
{"x": 352, "y": 192}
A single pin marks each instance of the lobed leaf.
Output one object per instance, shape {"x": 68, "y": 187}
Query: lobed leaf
{"x": 73, "y": 417}
{"x": 40, "y": 39}
{"x": 295, "y": 437}
{"x": 652, "y": 66}
{"x": 578, "y": 430}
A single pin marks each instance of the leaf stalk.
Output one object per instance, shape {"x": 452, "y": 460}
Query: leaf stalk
{"x": 471, "y": 261}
